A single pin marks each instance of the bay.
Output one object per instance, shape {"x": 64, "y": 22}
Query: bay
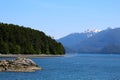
{"x": 71, "y": 67}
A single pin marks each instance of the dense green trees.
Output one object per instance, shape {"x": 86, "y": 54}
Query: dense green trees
{"x": 16, "y": 39}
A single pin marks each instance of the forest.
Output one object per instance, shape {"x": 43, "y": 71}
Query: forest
{"x": 15, "y": 39}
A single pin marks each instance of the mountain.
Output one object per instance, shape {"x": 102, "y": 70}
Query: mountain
{"x": 106, "y": 41}
{"x": 15, "y": 39}
{"x": 75, "y": 38}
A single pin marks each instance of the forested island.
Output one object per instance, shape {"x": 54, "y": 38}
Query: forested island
{"x": 15, "y": 39}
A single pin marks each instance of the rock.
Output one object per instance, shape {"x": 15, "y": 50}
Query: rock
{"x": 19, "y": 65}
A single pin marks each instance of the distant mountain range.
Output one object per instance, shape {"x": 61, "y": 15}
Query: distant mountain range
{"x": 94, "y": 41}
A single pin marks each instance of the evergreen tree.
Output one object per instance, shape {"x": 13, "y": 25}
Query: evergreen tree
{"x": 4, "y": 48}
{"x": 16, "y": 39}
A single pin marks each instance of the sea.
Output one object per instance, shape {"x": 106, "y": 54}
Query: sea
{"x": 74, "y": 66}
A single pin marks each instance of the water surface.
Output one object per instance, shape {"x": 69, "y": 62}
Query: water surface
{"x": 71, "y": 67}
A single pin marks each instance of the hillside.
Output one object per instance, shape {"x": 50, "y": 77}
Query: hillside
{"x": 106, "y": 41}
{"x": 16, "y": 39}
{"x": 73, "y": 39}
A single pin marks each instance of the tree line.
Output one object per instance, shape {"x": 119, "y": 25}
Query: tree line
{"x": 15, "y": 39}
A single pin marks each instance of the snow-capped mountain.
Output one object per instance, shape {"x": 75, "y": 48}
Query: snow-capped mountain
{"x": 105, "y": 41}
{"x": 75, "y": 38}
{"x": 91, "y": 32}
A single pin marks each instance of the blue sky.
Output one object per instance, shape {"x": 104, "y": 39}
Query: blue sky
{"x": 58, "y": 18}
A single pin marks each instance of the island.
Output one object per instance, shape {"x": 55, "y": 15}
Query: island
{"x": 19, "y": 65}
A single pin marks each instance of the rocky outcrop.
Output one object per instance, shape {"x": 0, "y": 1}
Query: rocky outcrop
{"x": 19, "y": 65}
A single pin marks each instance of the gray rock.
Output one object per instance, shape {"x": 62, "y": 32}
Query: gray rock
{"x": 19, "y": 65}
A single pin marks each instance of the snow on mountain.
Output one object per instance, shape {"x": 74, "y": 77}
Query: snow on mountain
{"x": 75, "y": 38}
{"x": 105, "y": 41}
{"x": 91, "y": 32}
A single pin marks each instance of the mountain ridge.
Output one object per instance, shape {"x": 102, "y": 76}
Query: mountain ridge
{"x": 74, "y": 38}
{"x": 101, "y": 42}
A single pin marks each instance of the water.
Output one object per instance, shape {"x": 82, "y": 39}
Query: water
{"x": 71, "y": 67}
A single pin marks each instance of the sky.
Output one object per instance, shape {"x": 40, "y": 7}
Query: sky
{"x": 58, "y": 18}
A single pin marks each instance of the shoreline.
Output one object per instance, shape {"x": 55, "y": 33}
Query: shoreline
{"x": 28, "y": 55}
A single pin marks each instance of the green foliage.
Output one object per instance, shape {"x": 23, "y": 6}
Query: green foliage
{"x": 4, "y": 48}
{"x": 16, "y": 49}
{"x": 16, "y": 39}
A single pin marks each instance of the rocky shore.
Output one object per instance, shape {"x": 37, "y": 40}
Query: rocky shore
{"x": 19, "y": 65}
{"x": 28, "y": 55}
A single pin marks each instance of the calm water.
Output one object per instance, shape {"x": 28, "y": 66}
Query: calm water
{"x": 72, "y": 67}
